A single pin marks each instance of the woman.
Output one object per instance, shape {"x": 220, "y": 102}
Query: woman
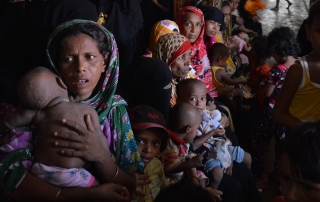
{"x": 191, "y": 24}
{"x": 160, "y": 28}
{"x": 84, "y": 54}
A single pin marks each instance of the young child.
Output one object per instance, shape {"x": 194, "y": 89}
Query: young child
{"x": 283, "y": 46}
{"x": 149, "y": 129}
{"x": 44, "y": 99}
{"x": 193, "y": 91}
{"x": 184, "y": 120}
{"x": 299, "y": 163}
{"x": 218, "y": 56}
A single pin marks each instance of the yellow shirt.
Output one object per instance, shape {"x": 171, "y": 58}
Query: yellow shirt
{"x": 214, "y": 80}
{"x": 305, "y": 104}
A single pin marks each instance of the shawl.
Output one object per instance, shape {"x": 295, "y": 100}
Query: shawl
{"x": 110, "y": 108}
{"x": 199, "y": 59}
{"x": 168, "y": 48}
{"x": 160, "y": 28}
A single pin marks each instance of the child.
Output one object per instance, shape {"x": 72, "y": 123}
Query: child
{"x": 218, "y": 56}
{"x": 299, "y": 99}
{"x": 283, "y": 46}
{"x": 184, "y": 120}
{"x": 44, "y": 98}
{"x": 194, "y": 92}
{"x": 299, "y": 163}
{"x": 149, "y": 129}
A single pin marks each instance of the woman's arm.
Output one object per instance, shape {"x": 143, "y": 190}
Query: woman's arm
{"x": 33, "y": 188}
{"x": 87, "y": 145}
{"x": 290, "y": 86}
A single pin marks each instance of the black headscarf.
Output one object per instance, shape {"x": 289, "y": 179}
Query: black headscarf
{"x": 213, "y": 13}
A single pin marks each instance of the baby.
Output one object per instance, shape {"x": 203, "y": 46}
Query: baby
{"x": 218, "y": 56}
{"x": 243, "y": 39}
{"x": 149, "y": 128}
{"x": 193, "y": 91}
{"x": 44, "y": 100}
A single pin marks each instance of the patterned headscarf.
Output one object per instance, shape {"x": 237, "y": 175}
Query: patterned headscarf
{"x": 199, "y": 59}
{"x": 110, "y": 107}
{"x": 160, "y": 28}
{"x": 170, "y": 46}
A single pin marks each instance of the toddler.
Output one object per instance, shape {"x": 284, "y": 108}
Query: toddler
{"x": 149, "y": 128}
{"x": 44, "y": 99}
{"x": 194, "y": 92}
{"x": 218, "y": 56}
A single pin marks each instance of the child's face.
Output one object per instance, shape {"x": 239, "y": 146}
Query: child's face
{"x": 223, "y": 61}
{"x": 313, "y": 33}
{"x": 196, "y": 95}
{"x": 148, "y": 141}
{"x": 180, "y": 67}
{"x": 232, "y": 44}
{"x": 295, "y": 188}
{"x": 191, "y": 26}
{"x": 211, "y": 28}
{"x": 227, "y": 13}
{"x": 244, "y": 36}
{"x": 234, "y": 4}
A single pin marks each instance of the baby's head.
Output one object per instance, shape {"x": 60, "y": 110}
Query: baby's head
{"x": 39, "y": 87}
{"x": 192, "y": 91}
{"x": 218, "y": 55}
{"x": 150, "y": 131}
{"x": 184, "y": 120}
{"x": 244, "y": 36}
{"x": 299, "y": 163}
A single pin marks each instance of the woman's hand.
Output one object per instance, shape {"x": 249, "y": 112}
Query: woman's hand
{"x": 142, "y": 179}
{"x": 86, "y": 142}
{"x": 111, "y": 192}
{"x": 215, "y": 194}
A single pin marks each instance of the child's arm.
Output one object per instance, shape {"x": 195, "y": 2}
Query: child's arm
{"x": 20, "y": 118}
{"x": 225, "y": 78}
{"x": 160, "y": 6}
{"x": 247, "y": 47}
{"x": 203, "y": 138}
{"x": 269, "y": 89}
{"x": 281, "y": 108}
{"x": 195, "y": 162}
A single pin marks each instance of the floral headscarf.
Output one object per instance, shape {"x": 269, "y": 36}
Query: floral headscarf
{"x": 168, "y": 48}
{"x": 111, "y": 109}
{"x": 199, "y": 59}
{"x": 160, "y": 28}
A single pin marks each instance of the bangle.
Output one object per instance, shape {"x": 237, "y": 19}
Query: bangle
{"x": 57, "y": 195}
{"x": 115, "y": 175}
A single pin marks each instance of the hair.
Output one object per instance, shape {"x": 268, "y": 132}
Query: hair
{"x": 314, "y": 12}
{"x": 281, "y": 41}
{"x": 224, "y": 4}
{"x": 302, "y": 146}
{"x": 180, "y": 116}
{"x": 259, "y": 44}
{"x": 164, "y": 136}
{"x": 186, "y": 85}
{"x": 75, "y": 30}
{"x": 183, "y": 192}
{"x": 218, "y": 49}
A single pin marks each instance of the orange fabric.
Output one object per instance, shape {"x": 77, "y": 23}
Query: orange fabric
{"x": 253, "y": 5}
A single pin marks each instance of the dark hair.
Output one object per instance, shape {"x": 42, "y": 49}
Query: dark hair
{"x": 302, "y": 146}
{"x": 259, "y": 44}
{"x": 281, "y": 41}
{"x": 218, "y": 49}
{"x": 224, "y": 4}
{"x": 313, "y": 12}
{"x": 186, "y": 84}
{"x": 160, "y": 131}
{"x": 75, "y": 30}
{"x": 183, "y": 192}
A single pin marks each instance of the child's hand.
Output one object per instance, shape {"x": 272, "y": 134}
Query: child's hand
{"x": 220, "y": 131}
{"x": 228, "y": 171}
{"x": 197, "y": 160}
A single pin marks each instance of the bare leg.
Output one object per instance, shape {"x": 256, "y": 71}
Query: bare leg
{"x": 277, "y": 6}
{"x": 215, "y": 177}
{"x": 247, "y": 159}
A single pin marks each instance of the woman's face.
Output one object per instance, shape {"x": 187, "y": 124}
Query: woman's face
{"x": 227, "y": 14}
{"x": 180, "y": 67}
{"x": 211, "y": 28}
{"x": 81, "y": 65}
{"x": 234, "y": 4}
{"x": 191, "y": 26}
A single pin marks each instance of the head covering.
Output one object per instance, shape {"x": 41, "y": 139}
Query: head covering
{"x": 110, "y": 107}
{"x": 213, "y": 13}
{"x": 160, "y": 28}
{"x": 199, "y": 59}
{"x": 170, "y": 46}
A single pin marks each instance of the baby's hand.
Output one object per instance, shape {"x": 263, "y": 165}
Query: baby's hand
{"x": 220, "y": 131}
{"x": 197, "y": 160}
